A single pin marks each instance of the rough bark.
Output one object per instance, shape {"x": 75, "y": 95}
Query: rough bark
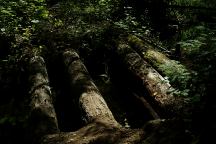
{"x": 157, "y": 87}
{"x": 147, "y": 51}
{"x": 159, "y": 131}
{"x": 150, "y": 54}
{"x": 91, "y": 103}
{"x": 43, "y": 117}
{"x": 102, "y": 126}
{"x": 95, "y": 133}
{"x": 178, "y": 75}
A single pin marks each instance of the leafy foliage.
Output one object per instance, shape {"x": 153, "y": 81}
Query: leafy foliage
{"x": 178, "y": 76}
{"x": 19, "y": 21}
{"x": 19, "y": 24}
{"x": 198, "y": 45}
{"x": 204, "y": 3}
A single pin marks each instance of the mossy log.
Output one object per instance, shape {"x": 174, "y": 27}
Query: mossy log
{"x": 159, "y": 60}
{"x": 148, "y": 52}
{"x": 158, "y": 88}
{"x": 42, "y": 113}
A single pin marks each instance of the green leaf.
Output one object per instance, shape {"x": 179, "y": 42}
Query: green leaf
{"x": 6, "y": 12}
{"x": 35, "y": 21}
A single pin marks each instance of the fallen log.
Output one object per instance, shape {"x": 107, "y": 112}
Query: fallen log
{"x": 92, "y": 104}
{"x": 156, "y": 131}
{"x": 161, "y": 62}
{"x": 101, "y": 125}
{"x": 158, "y": 88}
{"x": 42, "y": 113}
{"x": 153, "y": 56}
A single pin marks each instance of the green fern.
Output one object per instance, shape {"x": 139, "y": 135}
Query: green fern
{"x": 178, "y": 76}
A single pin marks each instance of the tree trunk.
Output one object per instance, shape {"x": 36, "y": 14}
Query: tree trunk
{"x": 43, "y": 117}
{"x": 154, "y": 57}
{"x": 92, "y": 104}
{"x": 157, "y": 87}
{"x": 159, "y": 131}
{"x": 178, "y": 75}
{"x": 102, "y": 127}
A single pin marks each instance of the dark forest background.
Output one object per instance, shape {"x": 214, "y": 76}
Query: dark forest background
{"x": 184, "y": 30}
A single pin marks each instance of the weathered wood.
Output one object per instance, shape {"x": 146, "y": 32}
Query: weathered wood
{"x": 102, "y": 126}
{"x": 149, "y": 53}
{"x": 161, "y": 63}
{"x": 153, "y": 56}
{"x": 157, "y": 87}
{"x": 157, "y": 131}
{"x": 43, "y": 117}
{"x": 89, "y": 98}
